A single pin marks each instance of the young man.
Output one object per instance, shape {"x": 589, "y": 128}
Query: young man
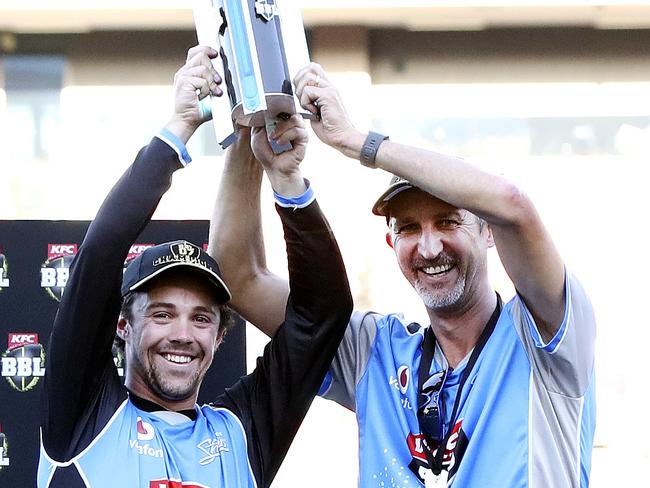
{"x": 170, "y": 312}
{"x": 491, "y": 394}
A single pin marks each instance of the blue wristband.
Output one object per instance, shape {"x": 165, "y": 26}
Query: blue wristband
{"x": 301, "y": 201}
{"x": 176, "y": 144}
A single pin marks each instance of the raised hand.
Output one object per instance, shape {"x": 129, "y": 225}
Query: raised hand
{"x": 318, "y": 95}
{"x": 195, "y": 80}
{"x": 282, "y": 169}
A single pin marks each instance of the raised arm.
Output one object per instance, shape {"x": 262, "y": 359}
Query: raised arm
{"x": 79, "y": 362}
{"x": 237, "y": 243}
{"x": 273, "y": 400}
{"x": 525, "y": 247}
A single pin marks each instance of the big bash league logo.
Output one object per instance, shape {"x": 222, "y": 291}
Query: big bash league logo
{"x": 55, "y": 271}
{"x": 23, "y": 363}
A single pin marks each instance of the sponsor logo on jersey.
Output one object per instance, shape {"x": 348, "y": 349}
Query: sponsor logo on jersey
{"x": 175, "y": 484}
{"x": 56, "y": 270}
{"x": 23, "y": 363}
{"x": 145, "y": 449}
{"x": 212, "y": 448}
{"x": 4, "y": 271}
{"x": 145, "y": 430}
{"x": 403, "y": 378}
{"x": 4, "y": 450}
{"x": 401, "y": 383}
{"x": 454, "y": 451}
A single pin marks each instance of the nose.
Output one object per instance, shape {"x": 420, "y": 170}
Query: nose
{"x": 430, "y": 243}
{"x": 181, "y": 331}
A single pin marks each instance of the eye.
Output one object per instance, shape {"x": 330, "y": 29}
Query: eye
{"x": 448, "y": 223}
{"x": 203, "y": 320}
{"x": 406, "y": 228}
{"x": 161, "y": 316}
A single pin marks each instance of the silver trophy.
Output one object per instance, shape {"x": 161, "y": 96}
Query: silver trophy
{"x": 261, "y": 45}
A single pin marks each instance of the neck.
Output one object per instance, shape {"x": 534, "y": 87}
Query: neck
{"x": 458, "y": 331}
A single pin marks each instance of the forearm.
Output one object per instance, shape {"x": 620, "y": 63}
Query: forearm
{"x": 236, "y": 242}
{"x": 448, "y": 178}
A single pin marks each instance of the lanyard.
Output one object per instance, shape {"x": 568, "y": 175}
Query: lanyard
{"x": 428, "y": 348}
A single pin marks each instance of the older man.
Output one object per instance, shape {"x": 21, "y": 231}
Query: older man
{"x": 491, "y": 394}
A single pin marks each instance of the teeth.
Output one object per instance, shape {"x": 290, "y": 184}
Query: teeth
{"x": 177, "y": 359}
{"x": 437, "y": 269}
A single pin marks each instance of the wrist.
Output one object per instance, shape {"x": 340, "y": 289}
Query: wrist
{"x": 300, "y": 201}
{"x": 289, "y": 185}
{"x": 351, "y": 145}
{"x": 181, "y": 129}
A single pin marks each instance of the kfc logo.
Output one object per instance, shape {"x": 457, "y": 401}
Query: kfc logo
{"x": 55, "y": 271}
{"x": 23, "y": 363}
{"x": 135, "y": 250}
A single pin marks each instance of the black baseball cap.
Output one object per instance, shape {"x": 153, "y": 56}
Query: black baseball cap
{"x": 171, "y": 255}
{"x": 396, "y": 186}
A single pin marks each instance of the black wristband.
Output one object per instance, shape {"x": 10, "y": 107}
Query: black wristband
{"x": 370, "y": 148}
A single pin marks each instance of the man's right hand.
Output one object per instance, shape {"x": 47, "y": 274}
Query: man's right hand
{"x": 318, "y": 95}
{"x": 282, "y": 169}
{"x": 195, "y": 80}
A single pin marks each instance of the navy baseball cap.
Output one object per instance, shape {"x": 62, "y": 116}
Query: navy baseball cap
{"x": 171, "y": 255}
{"x": 396, "y": 186}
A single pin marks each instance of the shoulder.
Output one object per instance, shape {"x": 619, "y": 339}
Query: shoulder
{"x": 390, "y": 324}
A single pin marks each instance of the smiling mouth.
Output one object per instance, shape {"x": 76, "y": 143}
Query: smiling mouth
{"x": 437, "y": 270}
{"x": 175, "y": 359}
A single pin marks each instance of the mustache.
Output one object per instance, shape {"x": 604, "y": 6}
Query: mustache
{"x": 441, "y": 260}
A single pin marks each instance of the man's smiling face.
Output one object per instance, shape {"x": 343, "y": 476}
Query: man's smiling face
{"x": 441, "y": 250}
{"x": 171, "y": 339}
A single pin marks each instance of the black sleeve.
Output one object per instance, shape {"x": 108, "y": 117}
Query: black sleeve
{"x": 273, "y": 400}
{"x": 82, "y": 388}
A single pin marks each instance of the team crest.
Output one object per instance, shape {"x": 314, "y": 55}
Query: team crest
{"x": 55, "y": 271}
{"x": 23, "y": 363}
{"x": 267, "y": 9}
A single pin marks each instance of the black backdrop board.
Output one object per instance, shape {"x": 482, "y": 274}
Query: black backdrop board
{"x": 34, "y": 256}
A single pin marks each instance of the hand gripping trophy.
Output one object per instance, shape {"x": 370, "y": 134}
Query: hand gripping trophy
{"x": 261, "y": 45}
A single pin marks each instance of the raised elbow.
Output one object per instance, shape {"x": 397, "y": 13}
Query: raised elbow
{"x": 516, "y": 207}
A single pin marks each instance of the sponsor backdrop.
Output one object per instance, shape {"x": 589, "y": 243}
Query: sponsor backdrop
{"x": 34, "y": 262}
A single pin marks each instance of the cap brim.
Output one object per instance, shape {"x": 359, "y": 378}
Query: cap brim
{"x": 223, "y": 293}
{"x": 379, "y": 208}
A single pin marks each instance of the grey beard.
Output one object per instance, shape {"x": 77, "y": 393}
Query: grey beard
{"x": 434, "y": 301}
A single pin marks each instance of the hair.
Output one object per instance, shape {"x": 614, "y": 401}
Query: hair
{"x": 226, "y": 319}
